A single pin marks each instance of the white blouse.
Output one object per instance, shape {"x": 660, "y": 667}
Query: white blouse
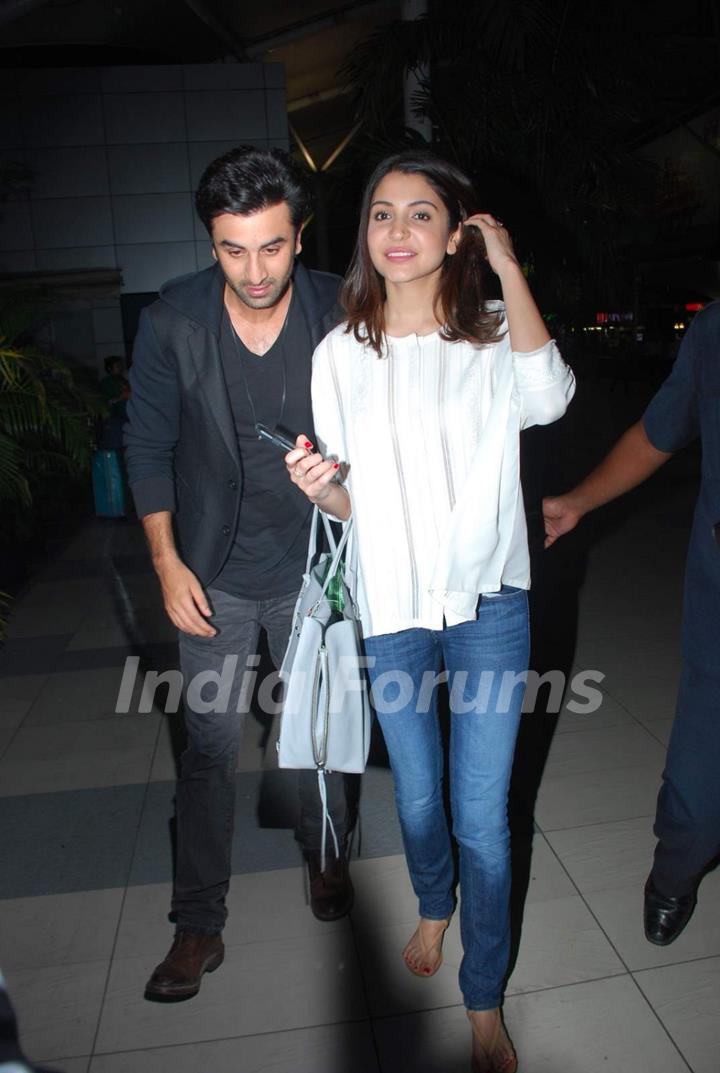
{"x": 430, "y": 435}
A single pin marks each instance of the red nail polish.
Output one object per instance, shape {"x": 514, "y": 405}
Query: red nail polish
{"x": 308, "y": 445}
{"x": 336, "y": 465}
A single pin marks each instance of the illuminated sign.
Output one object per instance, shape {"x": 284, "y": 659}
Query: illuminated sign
{"x": 613, "y": 318}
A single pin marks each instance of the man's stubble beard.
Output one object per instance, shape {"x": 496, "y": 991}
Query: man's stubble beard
{"x": 278, "y": 289}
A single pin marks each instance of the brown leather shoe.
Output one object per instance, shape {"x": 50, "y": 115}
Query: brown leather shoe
{"x": 331, "y": 891}
{"x": 179, "y": 976}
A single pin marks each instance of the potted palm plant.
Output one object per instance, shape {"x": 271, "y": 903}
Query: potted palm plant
{"x": 47, "y": 416}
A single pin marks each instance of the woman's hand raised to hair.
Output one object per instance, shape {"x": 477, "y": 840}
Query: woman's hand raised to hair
{"x": 310, "y": 471}
{"x": 500, "y": 252}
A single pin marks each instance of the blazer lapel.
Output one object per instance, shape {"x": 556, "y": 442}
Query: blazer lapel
{"x": 205, "y": 352}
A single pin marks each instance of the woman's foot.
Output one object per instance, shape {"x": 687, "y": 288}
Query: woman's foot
{"x": 492, "y": 1051}
{"x": 423, "y": 954}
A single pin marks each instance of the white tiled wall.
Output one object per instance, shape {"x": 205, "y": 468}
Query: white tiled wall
{"x": 115, "y": 155}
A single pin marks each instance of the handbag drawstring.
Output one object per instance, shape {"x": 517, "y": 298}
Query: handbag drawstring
{"x": 327, "y": 821}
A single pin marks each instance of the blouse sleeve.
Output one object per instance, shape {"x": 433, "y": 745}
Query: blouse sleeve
{"x": 544, "y": 384}
{"x": 327, "y": 403}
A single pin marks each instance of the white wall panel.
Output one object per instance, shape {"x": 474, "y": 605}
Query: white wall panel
{"x": 223, "y": 76}
{"x": 130, "y": 79}
{"x": 152, "y": 218}
{"x": 62, "y": 260}
{"x": 232, "y": 114}
{"x": 72, "y": 221}
{"x": 146, "y": 267}
{"x": 16, "y": 226}
{"x": 149, "y": 169}
{"x": 71, "y": 171}
{"x": 17, "y": 261}
{"x": 64, "y": 120}
{"x": 131, "y": 118}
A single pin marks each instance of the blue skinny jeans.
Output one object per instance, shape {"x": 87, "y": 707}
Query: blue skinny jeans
{"x": 484, "y": 660}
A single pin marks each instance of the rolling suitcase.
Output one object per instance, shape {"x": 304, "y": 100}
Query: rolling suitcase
{"x": 108, "y": 487}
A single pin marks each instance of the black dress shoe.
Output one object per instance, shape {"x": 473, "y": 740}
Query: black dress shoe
{"x": 331, "y": 891}
{"x": 666, "y": 917}
{"x": 179, "y": 976}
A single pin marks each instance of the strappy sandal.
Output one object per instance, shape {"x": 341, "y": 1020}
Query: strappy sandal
{"x": 492, "y": 1062}
{"x": 427, "y": 950}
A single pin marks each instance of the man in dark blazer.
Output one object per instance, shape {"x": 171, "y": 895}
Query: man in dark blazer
{"x": 687, "y": 820}
{"x": 219, "y": 352}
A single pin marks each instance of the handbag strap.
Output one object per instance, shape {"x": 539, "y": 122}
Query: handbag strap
{"x": 337, "y": 556}
{"x": 313, "y": 541}
{"x": 336, "y": 550}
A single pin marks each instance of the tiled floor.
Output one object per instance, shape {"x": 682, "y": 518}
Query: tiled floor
{"x": 85, "y": 805}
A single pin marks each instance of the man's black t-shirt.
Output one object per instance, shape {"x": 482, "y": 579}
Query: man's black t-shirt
{"x": 268, "y": 555}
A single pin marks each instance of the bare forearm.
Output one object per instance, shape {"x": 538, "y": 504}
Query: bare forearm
{"x": 526, "y": 326}
{"x": 631, "y": 461}
{"x": 161, "y": 539}
{"x": 335, "y": 501}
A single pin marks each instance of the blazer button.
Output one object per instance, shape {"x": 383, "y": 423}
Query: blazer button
{"x": 226, "y": 530}
{"x": 233, "y": 485}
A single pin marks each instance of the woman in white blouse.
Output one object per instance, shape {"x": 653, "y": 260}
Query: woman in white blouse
{"x": 421, "y": 395}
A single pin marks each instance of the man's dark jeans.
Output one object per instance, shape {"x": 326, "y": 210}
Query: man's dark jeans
{"x": 205, "y": 796}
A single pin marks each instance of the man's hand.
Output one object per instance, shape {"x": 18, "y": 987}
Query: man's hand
{"x": 561, "y": 515}
{"x": 185, "y": 601}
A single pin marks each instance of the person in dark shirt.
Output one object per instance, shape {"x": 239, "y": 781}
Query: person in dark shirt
{"x": 219, "y": 353}
{"x": 687, "y": 820}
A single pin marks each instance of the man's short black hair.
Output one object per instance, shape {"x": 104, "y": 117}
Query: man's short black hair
{"x": 247, "y": 180}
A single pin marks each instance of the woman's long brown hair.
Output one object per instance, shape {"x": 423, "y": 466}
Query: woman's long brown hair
{"x": 460, "y": 303}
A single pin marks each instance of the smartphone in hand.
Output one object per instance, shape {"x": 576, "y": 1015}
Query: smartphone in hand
{"x": 281, "y": 440}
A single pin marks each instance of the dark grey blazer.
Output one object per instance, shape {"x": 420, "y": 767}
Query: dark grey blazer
{"x": 180, "y": 444}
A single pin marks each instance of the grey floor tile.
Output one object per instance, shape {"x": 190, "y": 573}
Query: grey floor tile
{"x": 597, "y": 796}
{"x": 686, "y": 998}
{"x": 22, "y": 688}
{"x": 548, "y": 879}
{"x": 607, "y": 747}
{"x": 433, "y": 1041}
{"x": 58, "y": 1008}
{"x": 59, "y": 929}
{"x": 383, "y": 893}
{"x": 12, "y": 714}
{"x": 158, "y": 655}
{"x": 78, "y": 696}
{"x": 38, "y": 617}
{"x": 320, "y": 985}
{"x": 6, "y": 737}
{"x": 261, "y": 906}
{"x": 78, "y": 756}
{"x": 263, "y": 837}
{"x": 596, "y": 1027}
{"x": 57, "y": 843}
{"x": 328, "y": 1049}
{"x": 68, "y": 1065}
{"x": 561, "y": 943}
{"x": 391, "y": 988}
{"x": 379, "y": 825}
{"x": 32, "y": 655}
{"x": 660, "y": 728}
{"x": 609, "y": 714}
{"x": 17, "y": 696}
{"x": 154, "y": 628}
{"x": 650, "y": 696}
{"x": 620, "y": 914}
{"x": 605, "y": 856}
